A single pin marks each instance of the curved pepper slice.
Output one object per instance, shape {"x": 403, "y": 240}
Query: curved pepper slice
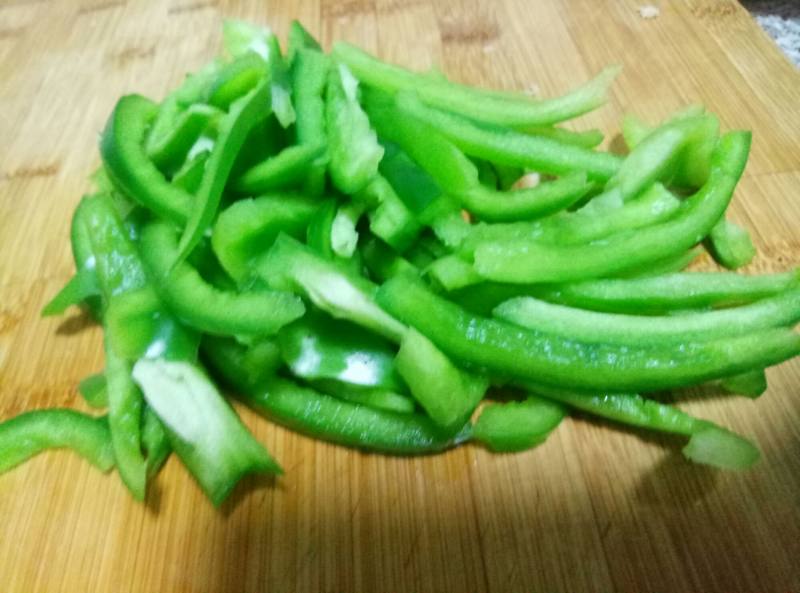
{"x": 318, "y": 347}
{"x": 527, "y": 261}
{"x": 512, "y": 109}
{"x": 244, "y": 114}
{"x": 708, "y": 443}
{"x": 309, "y": 77}
{"x": 131, "y": 170}
{"x": 247, "y": 228}
{"x": 501, "y": 145}
{"x": 689, "y": 290}
{"x": 30, "y": 433}
{"x": 286, "y": 169}
{"x": 510, "y": 351}
{"x": 328, "y": 418}
{"x": 615, "y": 328}
{"x": 204, "y": 307}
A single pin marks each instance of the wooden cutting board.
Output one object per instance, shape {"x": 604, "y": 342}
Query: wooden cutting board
{"x": 594, "y": 509}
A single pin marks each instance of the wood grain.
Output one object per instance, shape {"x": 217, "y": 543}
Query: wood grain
{"x": 594, "y": 509}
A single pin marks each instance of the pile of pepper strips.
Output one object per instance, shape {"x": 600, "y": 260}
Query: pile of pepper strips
{"x": 365, "y": 254}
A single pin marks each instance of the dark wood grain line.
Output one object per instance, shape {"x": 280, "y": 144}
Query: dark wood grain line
{"x": 193, "y": 7}
{"x": 84, "y": 10}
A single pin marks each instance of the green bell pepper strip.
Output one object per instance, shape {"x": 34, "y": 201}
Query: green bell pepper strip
{"x": 155, "y": 442}
{"x": 331, "y": 419}
{"x": 300, "y": 39}
{"x": 656, "y": 204}
{"x": 450, "y": 170}
{"x": 247, "y": 228}
{"x": 666, "y": 265}
{"x": 708, "y": 443}
{"x": 525, "y": 261}
{"x": 244, "y": 40}
{"x": 391, "y": 220}
{"x": 245, "y": 368}
{"x": 383, "y": 262}
{"x": 190, "y": 175}
{"x": 85, "y": 261}
{"x": 193, "y": 90}
{"x": 448, "y": 394}
{"x": 129, "y": 167}
{"x": 309, "y": 77}
{"x": 170, "y": 150}
{"x": 507, "y": 175}
{"x": 750, "y": 384}
{"x": 82, "y": 286}
{"x": 290, "y": 265}
{"x": 125, "y": 405}
{"x": 587, "y": 139}
{"x": 354, "y": 149}
{"x": 508, "y": 109}
{"x": 373, "y": 397}
{"x": 517, "y": 425}
{"x": 509, "y": 351}
{"x": 94, "y": 391}
{"x": 535, "y": 202}
{"x": 30, "y": 433}
{"x": 138, "y": 326}
{"x": 318, "y": 347}
{"x": 693, "y": 163}
{"x": 500, "y": 145}
{"x": 654, "y": 159}
{"x": 318, "y": 233}
{"x": 204, "y": 307}
{"x": 117, "y": 265}
{"x": 204, "y": 430}
{"x": 672, "y": 292}
{"x": 731, "y": 245}
{"x": 233, "y": 131}
{"x": 286, "y": 169}
{"x": 344, "y": 236}
{"x": 452, "y": 272}
{"x": 638, "y": 330}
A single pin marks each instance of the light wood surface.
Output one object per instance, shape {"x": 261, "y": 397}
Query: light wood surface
{"x": 594, "y": 509}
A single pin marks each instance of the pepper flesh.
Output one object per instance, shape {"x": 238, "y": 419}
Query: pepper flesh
{"x": 526, "y": 261}
{"x": 506, "y": 350}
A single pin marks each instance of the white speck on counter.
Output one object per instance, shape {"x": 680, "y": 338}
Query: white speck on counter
{"x": 648, "y": 11}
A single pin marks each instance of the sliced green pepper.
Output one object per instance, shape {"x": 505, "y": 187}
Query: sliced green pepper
{"x": 500, "y": 108}
{"x": 517, "y": 426}
{"x": 94, "y": 391}
{"x": 233, "y": 131}
{"x": 318, "y": 347}
{"x": 299, "y": 39}
{"x": 500, "y": 145}
{"x": 526, "y": 261}
{"x": 448, "y": 394}
{"x": 592, "y": 326}
{"x": 309, "y": 77}
{"x": 245, "y": 368}
{"x": 286, "y": 169}
{"x": 170, "y": 151}
{"x": 289, "y": 265}
{"x": 373, "y": 397}
{"x": 125, "y": 405}
{"x": 131, "y": 170}
{"x": 204, "y": 307}
{"x": 331, "y": 419}
{"x": 382, "y": 262}
{"x": 204, "y": 430}
{"x": 354, "y": 149}
{"x": 672, "y": 292}
{"x": 506, "y": 350}
{"x": 708, "y": 443}
{"x": 247, "y": 228}
{"x": 731, "y": 245}
{"x": 30, "y": 433}
{"x": 155, "y": 442}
